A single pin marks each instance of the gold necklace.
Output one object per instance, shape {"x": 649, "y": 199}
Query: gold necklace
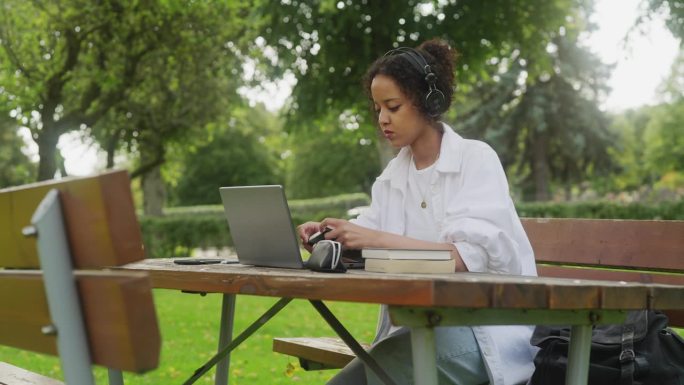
{"x": 423, "y": 193}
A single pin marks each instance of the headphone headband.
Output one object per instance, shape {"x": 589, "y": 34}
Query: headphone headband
{"x": 435, "y": 102}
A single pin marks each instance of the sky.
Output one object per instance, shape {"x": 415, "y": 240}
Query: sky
{"x": 641, "y": 66}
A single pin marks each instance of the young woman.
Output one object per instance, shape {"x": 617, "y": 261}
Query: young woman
{"x": 440, "y": 192}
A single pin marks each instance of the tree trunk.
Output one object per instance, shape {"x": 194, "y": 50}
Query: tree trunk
{"x": 540, "y": 168}
{"x": 61, "y": 164}
{"x": 154, "y": 193}
{"x": 111, "y": 152}
{"x": 111, "y": 145}
{"x": 47, "y": 148}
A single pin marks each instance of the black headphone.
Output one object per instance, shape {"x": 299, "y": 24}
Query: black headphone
{"x": 435, "y": 102}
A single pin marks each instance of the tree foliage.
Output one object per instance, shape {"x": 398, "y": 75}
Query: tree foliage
{"x": 243, "y": 150}
{"x": 547, "y": 128}
{"x": 156, "y": 80}
{"x": 329, "y": 44}
{"x": 15, "y": 167}
{"x": 184, "y": 86}
{"x": 65, "y": 65}
{"x": 673, "y": 10}
{"x": 334, "y": 156}
{"x": 665, "y": 133}
{"x": 665, "y": 139}
{"x": 651, "y": 138}
{"x": 629, "y": 127}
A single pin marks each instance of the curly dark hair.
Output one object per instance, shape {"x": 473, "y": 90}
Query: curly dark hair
{"x": 438, "y": 54}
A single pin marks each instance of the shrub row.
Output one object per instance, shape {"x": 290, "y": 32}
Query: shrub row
{"x": 183, "y": 229}
{"x": 604, "y": 210}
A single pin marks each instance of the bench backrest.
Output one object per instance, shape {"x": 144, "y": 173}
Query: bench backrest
{"x": 102, "y": 231}
{"x": 647, "y": 251}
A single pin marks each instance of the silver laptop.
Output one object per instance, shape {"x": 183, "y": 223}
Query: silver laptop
{"x": 262, "y": 229}
{"x": 261, "y": 226}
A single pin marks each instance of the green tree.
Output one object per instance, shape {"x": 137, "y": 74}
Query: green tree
{"x": 630, "y": 128}
{"x": 244, "y": 150}
{"x": 547, "y": 128}
{"x": 673, "y": 10}
{"x": 15, "y": 167}
{"x": 67, "y": 64}
{"x": 332, "y": 155}
{"x": 665, "y": 139}
{"x": 650, "y": 154}
{"x": 328, "y": 45}
{"x": 665, "y": 132}
{"x": 187, "y": 85}
{"x": 651, "y": 151}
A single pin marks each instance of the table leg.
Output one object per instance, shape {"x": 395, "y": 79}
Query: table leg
{"x": 115, "y": 377}
{"x": 251, "y": 329}
{"x": 225, "y": 336}
{"x": 424, "y": 355}
{"x": 578, "y": 355}
{"x": 351, "y": 342}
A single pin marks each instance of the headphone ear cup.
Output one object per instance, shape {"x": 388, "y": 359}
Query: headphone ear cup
{"x": 435, "y": 102}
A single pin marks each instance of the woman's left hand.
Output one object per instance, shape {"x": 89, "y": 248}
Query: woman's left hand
{"x": 350, "y": 235}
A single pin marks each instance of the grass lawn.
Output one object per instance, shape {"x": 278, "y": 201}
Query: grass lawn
{"x": 189, "y": 325}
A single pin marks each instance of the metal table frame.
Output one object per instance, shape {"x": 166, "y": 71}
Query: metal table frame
{"x": 422, "y": 322}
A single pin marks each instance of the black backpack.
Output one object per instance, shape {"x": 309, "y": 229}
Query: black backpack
{"x": 642, "y": 351}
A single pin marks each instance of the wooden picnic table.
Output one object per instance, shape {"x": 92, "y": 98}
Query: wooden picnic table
{"x": 423, "y": 301}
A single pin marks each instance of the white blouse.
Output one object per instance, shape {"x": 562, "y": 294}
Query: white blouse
{"x": 470, "y": 203}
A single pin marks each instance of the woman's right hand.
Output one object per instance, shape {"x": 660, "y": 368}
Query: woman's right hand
{"x": 305, "y": 231}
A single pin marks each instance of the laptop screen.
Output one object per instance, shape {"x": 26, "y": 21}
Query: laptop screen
{"x": 261, "y": 226}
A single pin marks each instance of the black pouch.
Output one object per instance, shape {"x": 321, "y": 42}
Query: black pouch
{"x": 327, "y": 257}
{"x": 643, "y": 350}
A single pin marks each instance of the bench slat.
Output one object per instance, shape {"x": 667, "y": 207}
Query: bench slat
{"x": 609, "y": 275}
{"x": 633, "y": 244}
{"x": 326, "y": 352}
{"x": 99, "y": 216}
{"x": 118, "y": 309}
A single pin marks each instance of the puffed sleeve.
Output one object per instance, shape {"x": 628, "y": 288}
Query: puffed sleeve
{"x": 480, "y": 215}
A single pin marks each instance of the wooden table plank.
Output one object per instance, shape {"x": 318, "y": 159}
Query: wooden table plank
{"x": 464, "y": 290}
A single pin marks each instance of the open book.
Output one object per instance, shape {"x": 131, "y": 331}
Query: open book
{"x": 406, "y": 254}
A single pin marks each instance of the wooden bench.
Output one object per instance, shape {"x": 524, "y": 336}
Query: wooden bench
{"x": 613, "y": 250}
{"x": 56, "y": 295}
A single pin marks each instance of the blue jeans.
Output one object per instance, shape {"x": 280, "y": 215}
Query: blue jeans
{"x": 458, "y": 360}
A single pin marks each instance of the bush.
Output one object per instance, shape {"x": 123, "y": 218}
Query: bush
{"x": 183, "y": 229}
{"x": 604, "y": 210}
{"x": 178, "y": 235}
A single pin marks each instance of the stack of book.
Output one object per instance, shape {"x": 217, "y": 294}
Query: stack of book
{"x": 408, "y": 261}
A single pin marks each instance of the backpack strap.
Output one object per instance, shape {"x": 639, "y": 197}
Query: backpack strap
{"x": 627, "y": 355}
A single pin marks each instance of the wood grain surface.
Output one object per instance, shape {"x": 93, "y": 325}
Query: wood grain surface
{"x": 466, "y": 290}
{"x": 99, "y": 215}
{"x": 118, "y": 309}
{"x": 628, "y": 244}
